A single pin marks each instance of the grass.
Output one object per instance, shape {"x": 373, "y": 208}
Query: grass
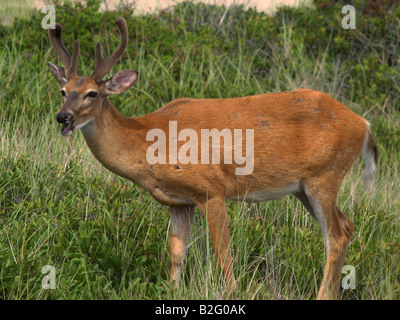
{"x": 108, "y": 239}
{"x": 11, "y": 8}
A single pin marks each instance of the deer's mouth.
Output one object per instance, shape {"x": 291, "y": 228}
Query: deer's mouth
{"x": 67, "y": 128}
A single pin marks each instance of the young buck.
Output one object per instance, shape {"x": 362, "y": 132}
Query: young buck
{"x": 301, "y": 142}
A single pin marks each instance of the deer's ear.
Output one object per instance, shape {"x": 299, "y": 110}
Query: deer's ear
{"x": 121, "y": 81}
{"x": 59, "y": 73}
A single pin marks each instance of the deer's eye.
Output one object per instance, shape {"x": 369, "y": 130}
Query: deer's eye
{"x": 92, "y": 94}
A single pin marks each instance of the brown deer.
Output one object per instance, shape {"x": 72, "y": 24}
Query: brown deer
{"x": 301, "y": 142}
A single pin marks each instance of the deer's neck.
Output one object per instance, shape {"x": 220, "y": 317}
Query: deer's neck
{"x": 116, "y": 141}
{"x": 119, "y": 143}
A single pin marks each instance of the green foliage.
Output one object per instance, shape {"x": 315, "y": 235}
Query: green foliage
{"x": 241, "y": 36}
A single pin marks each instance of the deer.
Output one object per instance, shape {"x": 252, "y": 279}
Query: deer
{"x": 304, "y": 143}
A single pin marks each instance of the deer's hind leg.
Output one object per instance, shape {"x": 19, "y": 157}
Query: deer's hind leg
{"x": 319, "y": 195}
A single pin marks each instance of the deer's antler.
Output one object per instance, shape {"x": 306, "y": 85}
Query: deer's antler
{"x": 104, "y": 65}
{"x": 70, "y": 65}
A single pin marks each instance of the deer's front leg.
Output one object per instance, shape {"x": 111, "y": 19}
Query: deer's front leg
{"x": 181, "y": 220}
{"x": 218, "y": 223}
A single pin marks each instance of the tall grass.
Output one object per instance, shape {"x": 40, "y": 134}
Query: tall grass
{"x": 9, "y": 9}
{"x": 108, "y": 239}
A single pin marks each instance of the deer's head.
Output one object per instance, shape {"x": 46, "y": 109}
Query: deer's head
{"x": 84, "y": 96}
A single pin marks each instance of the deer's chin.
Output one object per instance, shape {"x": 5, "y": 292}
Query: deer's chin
{"x": 67, "y": 128}
{"x": 82, "y": 124}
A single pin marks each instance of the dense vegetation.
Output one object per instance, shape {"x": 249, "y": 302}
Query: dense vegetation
{"x": 108, "y": 239}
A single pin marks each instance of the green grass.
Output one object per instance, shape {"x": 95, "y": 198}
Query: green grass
{"x": 9, "y": 9}
{"x": 108, "y": 239}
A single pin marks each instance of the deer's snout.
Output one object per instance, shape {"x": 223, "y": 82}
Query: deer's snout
{"x": 62, "y": 117}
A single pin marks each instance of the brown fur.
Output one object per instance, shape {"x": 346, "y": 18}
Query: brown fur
{"x": 304, "y": 144}
{"x": 302, "y": 136}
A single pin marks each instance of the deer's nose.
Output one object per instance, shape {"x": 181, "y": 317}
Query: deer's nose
{"x": 62, "y": 117}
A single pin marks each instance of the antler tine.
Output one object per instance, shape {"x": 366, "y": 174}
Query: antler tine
{"x": 56, "y": 41}
{"x": 73, "y": 70}
{"x": 70, "y": 65}
{"x": 103, "y": 66}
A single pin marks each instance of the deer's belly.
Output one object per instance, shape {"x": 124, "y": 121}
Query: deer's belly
{"x": 268, "y": 194}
